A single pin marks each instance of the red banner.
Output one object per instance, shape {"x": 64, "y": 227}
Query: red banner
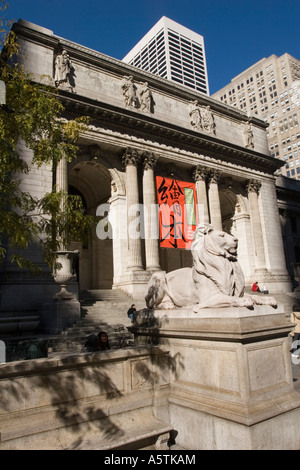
{"x": 177, "y": 212}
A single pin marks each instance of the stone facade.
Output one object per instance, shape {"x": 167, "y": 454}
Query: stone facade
{"x": 288, "y": 191}
{"x": 89, "y": 401}
{"x": 126, "y": 145}
{"x": 231, "y": 379}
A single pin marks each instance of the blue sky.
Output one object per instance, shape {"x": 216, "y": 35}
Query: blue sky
{"x": 237, "y": 33}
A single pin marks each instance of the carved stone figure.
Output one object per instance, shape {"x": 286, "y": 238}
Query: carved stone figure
{"x": 202, "y": 117}
{"x": 248, "y": 135}
{"x": 195, "y": 114}
{"x": 63, "y": 69}
{"x": 207, "y": 120}
{"x": 129, "y": 92}
{"x": 215, "y": 280}
{"x": 146, "y": 98}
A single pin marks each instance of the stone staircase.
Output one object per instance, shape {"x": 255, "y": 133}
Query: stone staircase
{"x": 106, "y": 309}
{"x": 101, "y": 309}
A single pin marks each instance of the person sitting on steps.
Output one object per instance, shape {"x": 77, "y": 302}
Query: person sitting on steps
{"x": 131, "y": 312}
{"x": 96, "y": 343}
{"x": 255, "y": 287}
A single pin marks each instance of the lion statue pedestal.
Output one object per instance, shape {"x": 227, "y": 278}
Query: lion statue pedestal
{"x": 231, "y": 381}
{"x": 230, "y": 365}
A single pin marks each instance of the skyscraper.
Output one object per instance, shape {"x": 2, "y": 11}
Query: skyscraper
{"x": 271, "y": 89}
{"x": 174, "y": 52}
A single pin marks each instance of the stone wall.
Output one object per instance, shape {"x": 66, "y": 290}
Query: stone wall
{"x": 95, "y": 400}
{"x": 99, "y": 77}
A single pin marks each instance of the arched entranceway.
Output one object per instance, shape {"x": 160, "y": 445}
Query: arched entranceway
{"x": 92, "y": 181}
{"x": 228, "y": 201}
{"x": 236, "y": 221}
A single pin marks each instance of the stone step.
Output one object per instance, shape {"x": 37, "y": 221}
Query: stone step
{"x": 101, "y": 309}
{"x": 20, "y": 433}
{"x": 75, "y": 342}
{"x": 153, "y": 435}
{"x": 105, "y": 294}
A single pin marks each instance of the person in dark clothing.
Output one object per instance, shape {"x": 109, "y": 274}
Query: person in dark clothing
{"x": 97, "y": 342}
{"x": 131, "y": 312}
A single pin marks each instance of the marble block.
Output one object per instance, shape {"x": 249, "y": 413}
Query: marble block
{"x": 232, "y": 384}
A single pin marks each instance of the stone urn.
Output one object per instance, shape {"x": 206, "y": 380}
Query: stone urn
{"x": 296, "y": 267}
{"x": 65, "y": 273}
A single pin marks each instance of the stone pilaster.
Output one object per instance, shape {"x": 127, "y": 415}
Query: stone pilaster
{"x": 131, "y": 159}
{"x": 253, "y": 188}
{"x": 150, "y": 214}
{"x": 214, "y": 200}
{"x": 200, "y": 175}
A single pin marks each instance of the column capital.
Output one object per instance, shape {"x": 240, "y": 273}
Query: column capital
{"x": 253, "y": 186}
{"x": 214, "y": 176}
{"x": 200, "y": 173}
{"x": 131, "y": 156}
{"x": 149, "y": 160}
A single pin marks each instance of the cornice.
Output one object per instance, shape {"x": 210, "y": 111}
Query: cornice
{"x": 37, "y": 34}
{"x": 92, "y": 57}
{"x": 123, "y": 120}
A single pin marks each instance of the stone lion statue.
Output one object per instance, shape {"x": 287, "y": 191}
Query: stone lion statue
{"x": 215, "y": 280}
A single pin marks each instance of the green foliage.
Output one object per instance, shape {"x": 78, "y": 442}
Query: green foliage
{"x": 64, "y": 225}
{"x": 33, "y": 115}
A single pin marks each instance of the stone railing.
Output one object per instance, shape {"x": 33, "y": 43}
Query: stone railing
{"x": 95, "y": 401}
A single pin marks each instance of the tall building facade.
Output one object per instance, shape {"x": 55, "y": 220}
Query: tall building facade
{"x": 131, "y": 154}
{"x": 271, "y": 89}
{"x": 174, "y": 52}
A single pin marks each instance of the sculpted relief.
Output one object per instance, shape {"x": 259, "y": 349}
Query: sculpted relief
{"x": 202, "y": 117}
{"x": 215, "y": 280}
{"x": 146, "y": 98}
{"x": 248, "y": 135}
{"x": 129, "y": 92}
{"x": 64, "y": 71}
{"x": 133, "y": 99}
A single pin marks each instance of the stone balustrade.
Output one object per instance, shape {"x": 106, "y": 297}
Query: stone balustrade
{"x": 87, "y": 401}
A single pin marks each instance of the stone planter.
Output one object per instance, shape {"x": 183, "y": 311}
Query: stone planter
{"x": 65, "y": 274}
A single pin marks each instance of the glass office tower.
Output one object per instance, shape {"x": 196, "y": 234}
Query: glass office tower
{"x": 173, "y": 52}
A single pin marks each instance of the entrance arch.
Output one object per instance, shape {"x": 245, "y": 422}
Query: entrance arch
{"x": 93, "y": 182}
{"x": 228, "y": 201}
{"x": 236, "y": 221}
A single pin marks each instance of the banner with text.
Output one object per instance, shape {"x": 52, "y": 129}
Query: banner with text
{"x": 177, "y": 212}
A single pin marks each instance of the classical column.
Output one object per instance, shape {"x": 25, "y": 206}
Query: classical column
{"x": 214, "y": 201}
{"x": 200, "y": 175}
{"x": 150, "y": 214}
{"x": 62, "y": 175}
{"x": 62, "y": 181}
{"x": 253, "y": 188}
{"x": 131, "y": 159}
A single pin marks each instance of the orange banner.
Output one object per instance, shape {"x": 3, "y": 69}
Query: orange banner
{"x": 177, "y": 212}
